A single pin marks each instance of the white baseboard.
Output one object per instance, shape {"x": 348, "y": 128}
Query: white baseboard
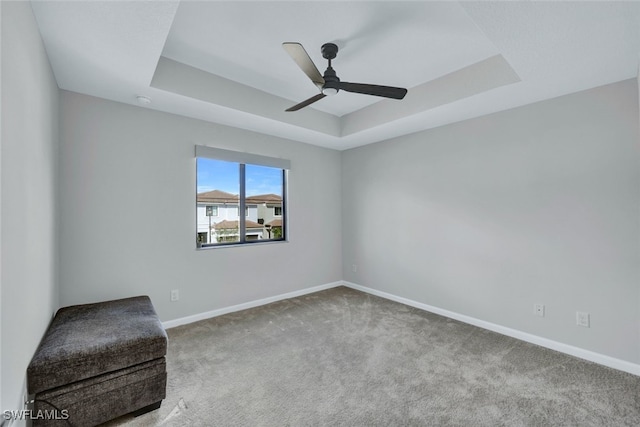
{"x": 621, "y": 365}
{"x": 219, "y": 312}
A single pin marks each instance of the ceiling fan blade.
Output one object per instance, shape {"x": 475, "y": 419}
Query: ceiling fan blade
{"x": 309, "y": 101}
{"x": 301, "y": 57}
{"x": 375, "y": 90}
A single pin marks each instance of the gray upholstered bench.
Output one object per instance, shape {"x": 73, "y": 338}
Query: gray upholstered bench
{"x": 99, "y": 361}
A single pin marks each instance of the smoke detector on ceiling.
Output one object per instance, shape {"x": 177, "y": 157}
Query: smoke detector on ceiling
{"x": 143, "y": 100}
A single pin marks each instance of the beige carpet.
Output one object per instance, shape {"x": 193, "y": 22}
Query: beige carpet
{"x": 345, "y": 358}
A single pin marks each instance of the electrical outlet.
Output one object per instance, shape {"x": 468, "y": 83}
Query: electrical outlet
{"x": 538, "y": 310}
{"x": 582, "y": 319}
{"x": 175, "y": 295}
{"x": 354, "y": 268}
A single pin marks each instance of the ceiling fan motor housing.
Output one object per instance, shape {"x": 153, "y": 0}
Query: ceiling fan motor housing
{"x": 331, "y": 81}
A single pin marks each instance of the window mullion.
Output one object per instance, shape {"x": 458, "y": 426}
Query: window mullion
{"x": 283, "y": 213}
{"x": 242, "y": 207}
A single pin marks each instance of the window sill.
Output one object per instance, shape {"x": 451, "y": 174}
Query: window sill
{"x": 208, "y": 246}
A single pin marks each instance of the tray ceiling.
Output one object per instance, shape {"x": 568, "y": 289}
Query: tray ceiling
{"x": 223, "y": 61}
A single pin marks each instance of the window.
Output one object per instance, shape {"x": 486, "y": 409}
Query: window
{"x": 202, "y": 238}
{"x": 212, "y": 210}
{"x": 229, "y": 182}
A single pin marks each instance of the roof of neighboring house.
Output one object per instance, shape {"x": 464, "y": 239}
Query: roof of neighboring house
{"x": 217, "y": 196}
{"x": 226, "y": 224}
{"x": 275, "y": 223}
{"x": 265, "y": 198}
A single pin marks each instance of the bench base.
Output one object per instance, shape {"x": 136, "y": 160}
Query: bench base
{"x": 146, "y": 409}
{"x": 137, "y": 390}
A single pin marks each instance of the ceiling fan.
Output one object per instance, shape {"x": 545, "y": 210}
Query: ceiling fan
{"x": 329, "y": 83}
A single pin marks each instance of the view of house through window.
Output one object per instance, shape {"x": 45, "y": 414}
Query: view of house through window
{"x": 226, "y": 188}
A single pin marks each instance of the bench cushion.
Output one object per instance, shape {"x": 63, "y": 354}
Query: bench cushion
{"x": 87, "y": 340}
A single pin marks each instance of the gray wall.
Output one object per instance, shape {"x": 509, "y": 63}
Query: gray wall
{"x": 537, "y": 204}
{"x": 29, "y": 192}
{"x": 128, "y": 212}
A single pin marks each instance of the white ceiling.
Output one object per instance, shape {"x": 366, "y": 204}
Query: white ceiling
{"x": 223, "y": 61}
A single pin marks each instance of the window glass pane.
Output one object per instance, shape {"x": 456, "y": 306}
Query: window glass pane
{"x": 264, "y": 201}
{"x": 239, "y": 202}
{"x": 217, "y": 200}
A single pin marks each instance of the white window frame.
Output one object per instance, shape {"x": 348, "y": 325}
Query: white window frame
{"x": 202, "y": 151}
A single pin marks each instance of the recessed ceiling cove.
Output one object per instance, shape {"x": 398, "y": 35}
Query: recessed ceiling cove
{"x": 432, "y": 48}
{"x": 392, "y": 43}
{"x": 223, "y": 61}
